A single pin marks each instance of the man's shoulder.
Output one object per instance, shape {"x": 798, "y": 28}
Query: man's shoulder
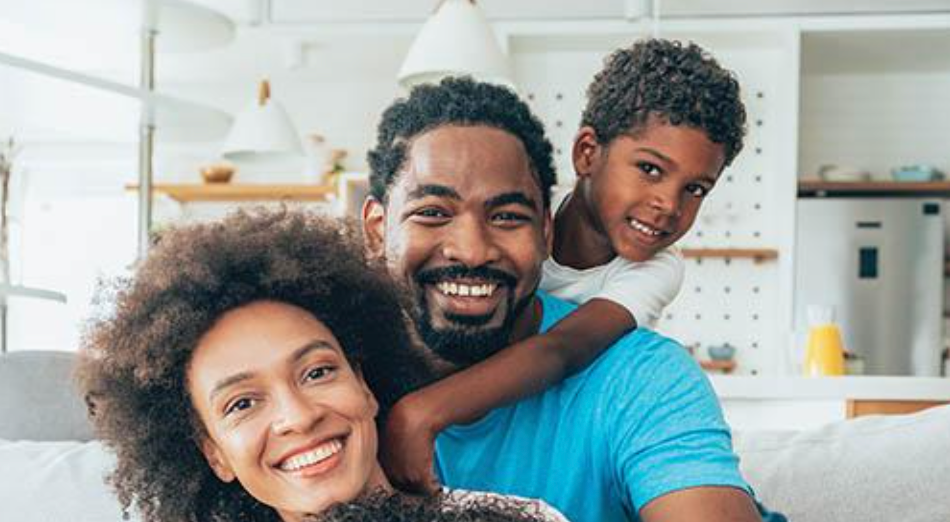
{"x": 642, "y": 351}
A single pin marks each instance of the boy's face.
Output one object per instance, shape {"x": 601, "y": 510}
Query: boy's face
{"x": 644, "y": 190}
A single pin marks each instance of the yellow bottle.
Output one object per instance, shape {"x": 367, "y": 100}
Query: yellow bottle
{"x": 824, "y": 354}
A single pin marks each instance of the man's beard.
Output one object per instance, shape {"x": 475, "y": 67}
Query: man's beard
{"x": 467, "y": 341}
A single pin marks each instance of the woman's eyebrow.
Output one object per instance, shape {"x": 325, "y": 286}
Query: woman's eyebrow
{"x": 295, "y": 357}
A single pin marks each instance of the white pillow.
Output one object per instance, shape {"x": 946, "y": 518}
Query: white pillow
{"x": 880, "y": 468}
{"x": 56, "y": 482}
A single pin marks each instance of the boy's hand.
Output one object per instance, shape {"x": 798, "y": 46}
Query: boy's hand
{"x": 408, "y": 446}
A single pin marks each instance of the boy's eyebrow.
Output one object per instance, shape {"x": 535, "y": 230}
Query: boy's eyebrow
{"x": 509, "y": 198}
{"x": 432, "y": 189}
{"x": 239, "y": 377}
{"x": 658, "y": 154}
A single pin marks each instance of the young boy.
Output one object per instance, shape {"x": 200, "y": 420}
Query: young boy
{"x": 662, "y": 121}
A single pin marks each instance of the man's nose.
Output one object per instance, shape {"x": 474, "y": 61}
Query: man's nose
{"x": 295, "y": 413}
{"x": 469, "y": 241}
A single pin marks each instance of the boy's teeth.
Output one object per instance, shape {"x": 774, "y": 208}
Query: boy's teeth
{"x": 320, "y": 453}
{"x": 464, "y": 290}
{"x": 643, "y": 228}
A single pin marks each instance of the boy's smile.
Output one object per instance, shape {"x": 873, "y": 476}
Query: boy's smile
{"x": 642, "y": 191}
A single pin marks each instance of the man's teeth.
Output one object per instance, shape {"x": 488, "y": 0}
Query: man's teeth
{"x": 320, "y": 453}
{"x": 643, "y": 228}
{"x": 485, "y": 290}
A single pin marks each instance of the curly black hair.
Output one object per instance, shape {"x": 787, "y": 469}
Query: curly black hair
{"x": 681, "y": 84}
{"x": 456, "y": 101}
{"x": 134, "y": 359}
{"x": 382, "y": 506}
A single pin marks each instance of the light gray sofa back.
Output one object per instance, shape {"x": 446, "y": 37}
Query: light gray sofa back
{"x": 38, "y": 398}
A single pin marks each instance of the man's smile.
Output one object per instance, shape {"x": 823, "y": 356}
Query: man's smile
{"x": 467, "y": 297}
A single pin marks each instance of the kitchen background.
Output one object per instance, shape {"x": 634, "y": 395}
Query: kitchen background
{"x": 836, "y": 91}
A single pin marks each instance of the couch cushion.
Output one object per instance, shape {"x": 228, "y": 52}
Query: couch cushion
{"x": 38, "y": 400}
{"x": 879, "y": 468}
{"x": 56, "y": 482}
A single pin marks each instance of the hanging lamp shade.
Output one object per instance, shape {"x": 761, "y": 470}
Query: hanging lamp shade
{"x": 262, "y": 132}
{"x": 455, "y": 40}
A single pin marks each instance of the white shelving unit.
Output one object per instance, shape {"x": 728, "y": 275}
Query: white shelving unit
{"x": 38, "y": 55}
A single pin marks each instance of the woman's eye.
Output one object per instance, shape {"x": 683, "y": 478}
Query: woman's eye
{"x": 649, "y": 169}
{"x": 239, "y": 405}
{"x": 319, "y": 373}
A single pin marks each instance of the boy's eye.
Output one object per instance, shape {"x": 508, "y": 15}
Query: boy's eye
{"x": 649, "y": 169}
{"x": 698, "y": 191}
{"x": 238, "y": 405}
{"x": 319, "y": 373}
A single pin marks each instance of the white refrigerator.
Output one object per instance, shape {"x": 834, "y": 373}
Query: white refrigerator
{"x": 879, "y": 262}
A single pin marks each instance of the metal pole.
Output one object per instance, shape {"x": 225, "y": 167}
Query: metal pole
{"x": 146, "y": 142}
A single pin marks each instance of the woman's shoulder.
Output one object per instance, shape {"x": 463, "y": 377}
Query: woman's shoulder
{"x": 536, "y": 509}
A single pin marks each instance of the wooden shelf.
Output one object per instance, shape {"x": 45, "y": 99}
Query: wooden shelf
{"x": 756, "y": 254}
{"x": 885, "y": 189}
{"x": 719, "y": 366}
{"x": 184, "y": 193}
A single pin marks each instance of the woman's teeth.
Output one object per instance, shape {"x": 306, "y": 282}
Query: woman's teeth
{"x": 485, "y": 290}
{"x": 318, "y": 454}
{"x": 643, "y": 228}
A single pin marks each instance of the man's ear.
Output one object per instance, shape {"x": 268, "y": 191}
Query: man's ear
{"x": 585, "y": 152}
{"x": 374, "y": 227}
{"x": 216, "y": 460}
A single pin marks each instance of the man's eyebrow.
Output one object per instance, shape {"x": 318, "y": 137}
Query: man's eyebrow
{"x": 509, "y": 198}
{"x": 431, "y": 189}
{"x": 239, "y": 377}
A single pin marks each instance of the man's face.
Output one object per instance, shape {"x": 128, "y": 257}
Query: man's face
{"x": 466, "y": 230}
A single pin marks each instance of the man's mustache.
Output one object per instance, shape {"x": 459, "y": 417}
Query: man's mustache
{"x": 485, "y": 273}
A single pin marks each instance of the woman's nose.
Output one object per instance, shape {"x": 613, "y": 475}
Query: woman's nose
{"x": 294, "y": 413}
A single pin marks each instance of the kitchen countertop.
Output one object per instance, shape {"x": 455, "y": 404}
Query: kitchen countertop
{"x": 785, "y": 387}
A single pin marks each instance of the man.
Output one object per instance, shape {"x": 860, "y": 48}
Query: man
{"x": 460, "y": 183}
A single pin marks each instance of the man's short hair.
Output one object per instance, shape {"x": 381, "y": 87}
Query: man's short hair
{"x": 462, "y": 102}
{"x": 680, "y": 84}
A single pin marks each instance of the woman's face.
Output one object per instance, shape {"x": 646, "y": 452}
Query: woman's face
{"x": 285, "y": 414}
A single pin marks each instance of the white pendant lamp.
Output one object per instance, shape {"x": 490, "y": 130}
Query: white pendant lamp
{"x": 263, "y": 132}
{"x": 455, "y": 40}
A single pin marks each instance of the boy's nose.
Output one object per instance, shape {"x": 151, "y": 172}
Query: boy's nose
{"x": 469, "y": 242}
{"x": 667, "y": 202}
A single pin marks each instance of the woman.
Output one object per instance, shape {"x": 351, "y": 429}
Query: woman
{"x": 234, "y": 377}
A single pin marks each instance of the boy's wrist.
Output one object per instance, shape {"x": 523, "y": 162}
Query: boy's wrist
{"x": 425, "y": 411}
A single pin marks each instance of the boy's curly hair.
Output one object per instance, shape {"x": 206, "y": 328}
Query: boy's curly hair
{"x": 680, "y": 84}
{"x": 456, "y": 101}
{"x": 134, "y": 361}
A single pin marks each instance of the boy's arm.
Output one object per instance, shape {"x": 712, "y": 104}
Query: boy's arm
{"x": 521, "y": 370}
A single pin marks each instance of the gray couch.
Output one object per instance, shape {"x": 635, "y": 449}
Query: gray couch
{"x": 865, "y": 470}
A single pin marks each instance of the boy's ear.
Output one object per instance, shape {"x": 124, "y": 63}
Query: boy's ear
{"x": 586, "y": 151}
{"x": 374, "y": 227}
{"x": 216, "y": 460}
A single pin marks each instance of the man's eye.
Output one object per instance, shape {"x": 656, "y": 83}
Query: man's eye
{"x": 697, "y": 191}
{"x": 650, "y": 169}
{"x": 510, "y": 218}
{"x": 239, "y": 405}
{"x": 319, "y": 373}
{"x": 430, "y": 213}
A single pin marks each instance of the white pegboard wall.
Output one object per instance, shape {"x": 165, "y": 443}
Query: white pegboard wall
{"x": 731, "y": 301}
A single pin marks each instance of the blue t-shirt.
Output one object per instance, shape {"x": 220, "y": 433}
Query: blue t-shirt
{"x": 641, "y": 421}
